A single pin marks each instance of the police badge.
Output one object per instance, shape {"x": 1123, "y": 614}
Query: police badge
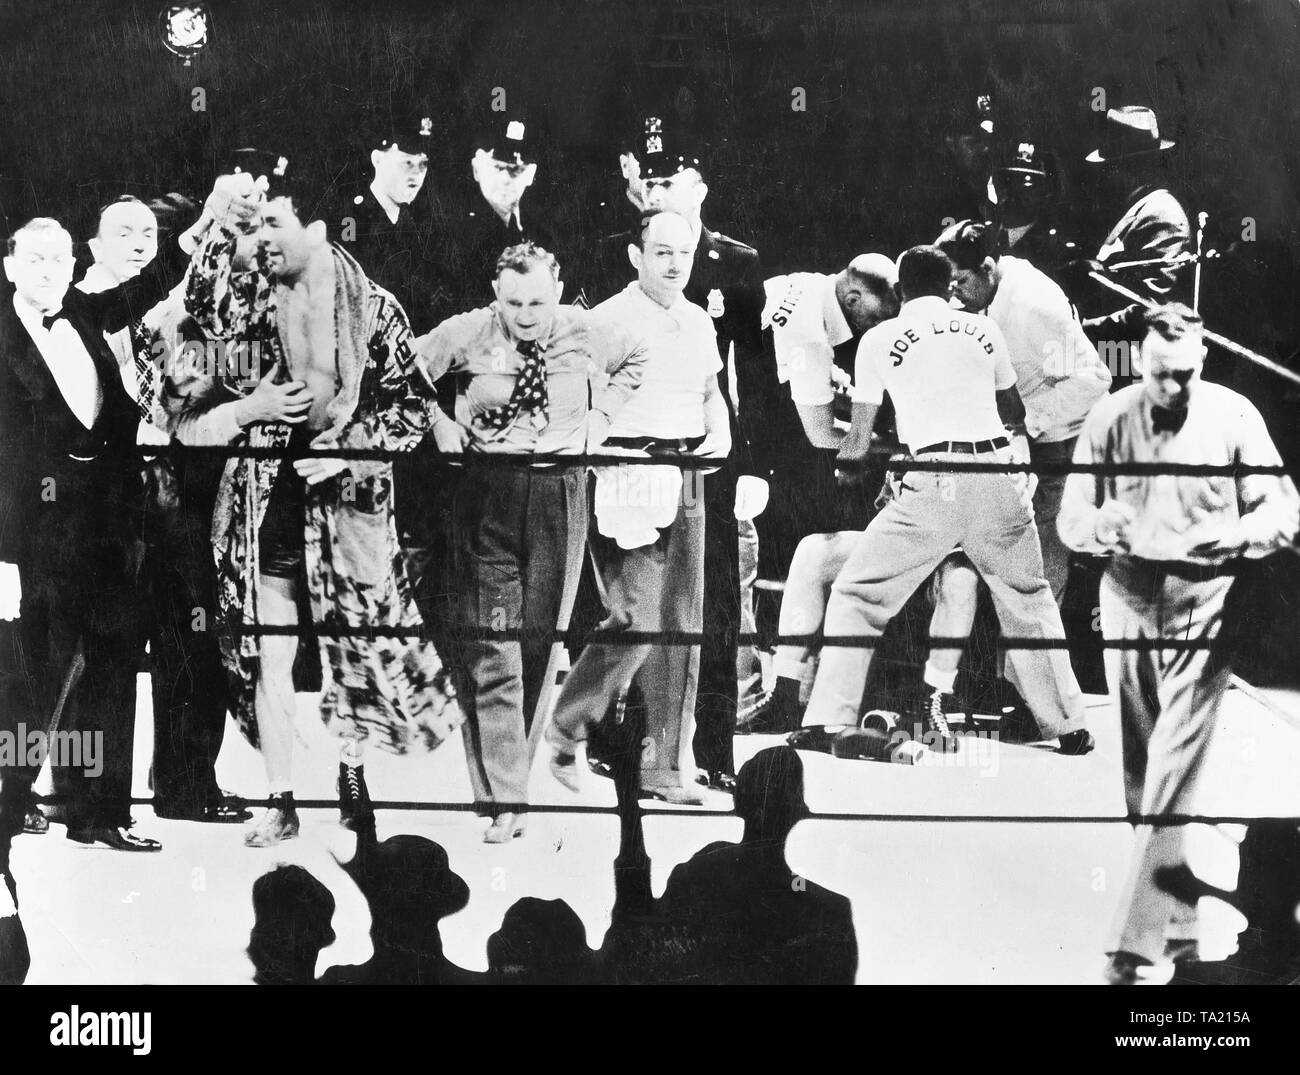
{"x": 716, "y": 305}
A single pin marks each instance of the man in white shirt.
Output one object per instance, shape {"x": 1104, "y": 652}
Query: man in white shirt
{"x": 1174, "y": 542}
{"x": 953, "y": 387}
{"x": 650, "y": 521}
{"x": 810, "y": 314}
{"x": 1058, "y": 374}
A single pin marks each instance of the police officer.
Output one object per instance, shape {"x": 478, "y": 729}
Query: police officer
{"x": 954, "y": 391}
{"x": 504, "y": 166}
{"x": 1027, "y": 186}
{"x": 381, "y": 225}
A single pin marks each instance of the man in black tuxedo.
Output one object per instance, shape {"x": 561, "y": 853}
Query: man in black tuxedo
{"x": 70, "y": 491}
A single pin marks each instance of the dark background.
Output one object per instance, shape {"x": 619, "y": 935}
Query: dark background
{"x": 95, "y": 106}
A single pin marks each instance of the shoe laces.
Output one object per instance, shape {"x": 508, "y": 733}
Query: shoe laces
{"x": 938, "y": 718}
{"x": 354, "y": 781}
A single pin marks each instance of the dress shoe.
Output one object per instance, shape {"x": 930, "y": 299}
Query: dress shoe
{"x": 718, "y": 781}
{"x": 222, "y": 812}
{"x": 280, "y": 822}
{"x": 564, "y": 761}
{"x": 599, "y": 767}
{"x": 35, "y": 823}
{"x": 118, "y": 837}
{"x": 505, "y": 827}
{"x": 674, "y": 794}
{"x": 355, "y": 811}
{"x": 1122, "y": 968}
{"x": 1076, "y": 743}
{"x": 815, "y": 737}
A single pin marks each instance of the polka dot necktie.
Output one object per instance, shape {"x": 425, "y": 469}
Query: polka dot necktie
{"x": 530, "y": 393}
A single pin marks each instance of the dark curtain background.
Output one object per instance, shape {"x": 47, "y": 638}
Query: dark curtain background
{"x": 93, "y": 106}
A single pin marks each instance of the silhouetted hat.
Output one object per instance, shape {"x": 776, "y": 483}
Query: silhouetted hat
{"x": 1131, "y": 131}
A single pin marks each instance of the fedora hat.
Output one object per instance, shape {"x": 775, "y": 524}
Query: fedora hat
{"x": 1131, "y": 131}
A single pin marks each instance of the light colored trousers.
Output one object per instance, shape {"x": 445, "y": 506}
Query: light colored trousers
{"x": 933, "y": 513}
{"x": 1168, "y": 704}
{"x": 655, "y": 588}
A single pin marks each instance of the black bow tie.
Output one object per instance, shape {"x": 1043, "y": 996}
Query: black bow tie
{"x": 1167, "y": 420}
{"x": 48, "y": 322}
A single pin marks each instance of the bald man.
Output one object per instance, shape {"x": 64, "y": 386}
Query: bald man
{"x": 811, "y": 314}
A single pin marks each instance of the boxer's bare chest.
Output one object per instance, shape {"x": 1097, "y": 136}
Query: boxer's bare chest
{"x": 306, "y": 317}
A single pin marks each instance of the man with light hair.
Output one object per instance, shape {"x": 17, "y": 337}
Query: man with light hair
{"x": 1175, "y": 543}
{"x": 533, "y": 377}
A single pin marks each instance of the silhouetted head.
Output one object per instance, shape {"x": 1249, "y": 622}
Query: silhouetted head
{"x": 292, "y": 912}
{"x": 540, "y": 942}
{"x": 410, "y": 887}
{"x": 769, "y": 794}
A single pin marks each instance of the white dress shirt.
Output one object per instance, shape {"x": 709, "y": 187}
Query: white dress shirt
{"x": 67, "y": 359}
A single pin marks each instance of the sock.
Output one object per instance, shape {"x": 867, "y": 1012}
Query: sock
{"x": 352, "y": 753}
{"x": 939, "y": 679}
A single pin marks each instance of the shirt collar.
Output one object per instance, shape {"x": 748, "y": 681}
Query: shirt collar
{"x": 499, "y": 327}
{"x": 28, "y": 314}
{"x": 837, "y": 325}
{"x": 649, "y": 304}
{"x": 97, "y": 279}
{"x": 926, "y": 302}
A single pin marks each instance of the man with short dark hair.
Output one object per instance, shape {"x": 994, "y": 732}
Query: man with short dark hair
{"x": 1175, "y": 543}
{"x": 1058, "y": 375}
{"x": 650, "y": 524}
{"x": 529, "y": 375}
{"x": 334, "y": 370}
{"x": 954, "y": 392}
{"x": 726, "y": 282}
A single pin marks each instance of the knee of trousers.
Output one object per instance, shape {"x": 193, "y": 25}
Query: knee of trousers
{"x": 857, "y": 605}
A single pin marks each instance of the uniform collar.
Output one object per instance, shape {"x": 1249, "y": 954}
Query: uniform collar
{"x": 387, "y": 206}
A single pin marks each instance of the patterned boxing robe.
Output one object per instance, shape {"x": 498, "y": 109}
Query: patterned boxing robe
{"x": 393, "y": 690}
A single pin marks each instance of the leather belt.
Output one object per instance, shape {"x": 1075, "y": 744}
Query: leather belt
{"x": 656, "y": 445}
{"x": 965, "y": 447}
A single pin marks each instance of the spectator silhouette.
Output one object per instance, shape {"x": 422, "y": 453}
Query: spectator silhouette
{"x": 541, "y": 942}
{"x": 739, "y": 915}
{"x": 1267, "y": 895}
{"x": 292, "y": 912}
{"x": 410, "y": 888}
{"x": 15, "y": 958}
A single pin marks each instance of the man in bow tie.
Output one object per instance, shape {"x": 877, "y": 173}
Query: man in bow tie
{"x": 69, "y": 492}
{"x": 533, "y": 378}
{"x": 1175, "y": 542}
